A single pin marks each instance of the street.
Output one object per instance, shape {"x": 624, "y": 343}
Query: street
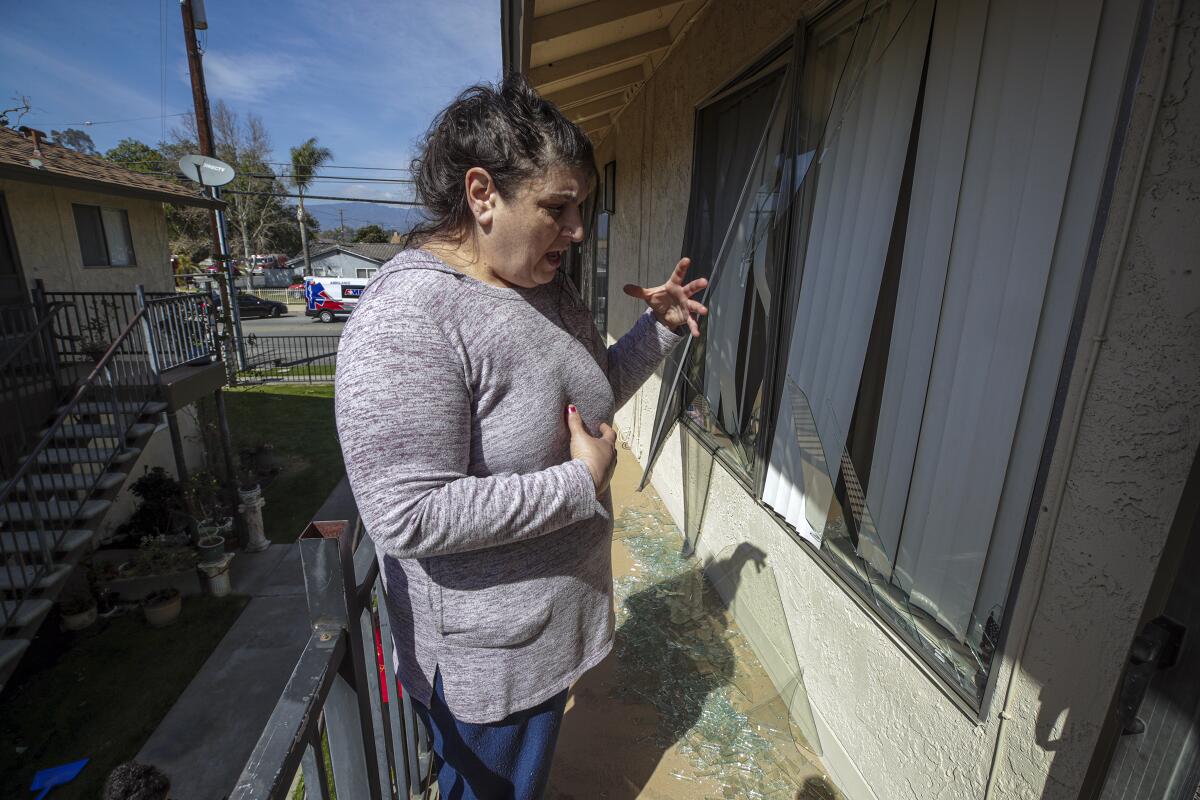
{"x": 294, "y": 323}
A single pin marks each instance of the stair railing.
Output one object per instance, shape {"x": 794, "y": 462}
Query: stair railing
{"x": 89, "y": 434}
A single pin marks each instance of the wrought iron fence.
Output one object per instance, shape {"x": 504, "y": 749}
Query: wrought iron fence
{"x": 339, "y": 694}
{"x": 290, "y": 359}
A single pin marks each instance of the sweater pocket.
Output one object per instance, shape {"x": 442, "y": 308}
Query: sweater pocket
{"x": 496, "y": 616}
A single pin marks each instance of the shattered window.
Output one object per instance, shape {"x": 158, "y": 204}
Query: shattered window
{"x": 736, "y": 236}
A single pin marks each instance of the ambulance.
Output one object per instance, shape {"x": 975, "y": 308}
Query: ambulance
{"x": 330, "y": 298}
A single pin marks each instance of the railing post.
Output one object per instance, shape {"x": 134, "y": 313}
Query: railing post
{"x": 327, "y": 558}
{"x": 147, "y": 329}
{"x": 42, "y": 308}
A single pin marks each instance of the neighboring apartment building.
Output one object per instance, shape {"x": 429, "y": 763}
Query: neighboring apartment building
{"x": 91, "y": 231}
{"x": 349, "y": 260}
{"x": 949, "y": 379}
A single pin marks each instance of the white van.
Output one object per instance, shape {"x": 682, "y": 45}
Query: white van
{"x": 330, "y": 298}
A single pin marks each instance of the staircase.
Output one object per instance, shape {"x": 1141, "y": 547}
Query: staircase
{"x": 78, "y": 455}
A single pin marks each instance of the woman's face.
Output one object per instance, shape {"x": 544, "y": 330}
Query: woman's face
{"x": 525, "y": 236}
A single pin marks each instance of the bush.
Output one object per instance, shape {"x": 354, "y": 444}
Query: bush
{"x": 161, "y": 499}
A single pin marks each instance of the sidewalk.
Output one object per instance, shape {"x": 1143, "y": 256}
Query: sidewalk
{"x": 204, "y": 740}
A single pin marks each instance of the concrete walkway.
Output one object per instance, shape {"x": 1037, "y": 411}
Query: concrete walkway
{"x": 206, "y": 737}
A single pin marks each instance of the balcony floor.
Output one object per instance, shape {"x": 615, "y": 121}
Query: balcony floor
{"x": 682, "y": 708}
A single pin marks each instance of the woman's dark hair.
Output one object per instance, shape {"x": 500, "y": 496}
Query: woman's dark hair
{"x": 507, "y": 129}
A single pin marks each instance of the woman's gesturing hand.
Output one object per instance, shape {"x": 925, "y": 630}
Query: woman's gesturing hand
{"x": 598, "y": 452}
{"x": 672, "y": 302}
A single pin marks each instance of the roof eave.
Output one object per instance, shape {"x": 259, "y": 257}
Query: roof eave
{"x": 50, "y": 178}
{"x": 516, "y": 19}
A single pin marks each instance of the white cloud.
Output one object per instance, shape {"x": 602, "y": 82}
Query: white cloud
{"x": 246, "y": 78}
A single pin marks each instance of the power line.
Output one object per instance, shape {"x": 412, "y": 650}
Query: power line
{"x": 343, "y": 166}
{"x": 352, "y": 178}
{"x": 89, "y": 123}
{"x": 412, "y": 203}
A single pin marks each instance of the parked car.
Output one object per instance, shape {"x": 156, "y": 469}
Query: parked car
{"x": 250, "y": 305}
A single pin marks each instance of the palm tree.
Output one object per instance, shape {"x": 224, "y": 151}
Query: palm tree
{"x": 306, "y": 160}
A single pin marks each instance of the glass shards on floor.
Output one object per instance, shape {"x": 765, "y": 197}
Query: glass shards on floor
{"x": 695, "y": 712}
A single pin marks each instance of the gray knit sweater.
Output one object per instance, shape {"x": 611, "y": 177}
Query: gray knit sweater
{"x": 495, "y": 548}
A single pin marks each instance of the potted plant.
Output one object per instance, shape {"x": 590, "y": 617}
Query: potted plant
{"x": 77, "y": 612}
{"x": 162, "y": 607}
{"x": 207, "y": 499}
{"x": 94, "y": 338}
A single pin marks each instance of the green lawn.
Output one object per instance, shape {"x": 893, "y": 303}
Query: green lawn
{"x": 100, "y": 693}
{"x": 297, "y": 421}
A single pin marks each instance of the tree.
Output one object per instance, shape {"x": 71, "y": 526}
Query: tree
{"x": 306, "y": 160}
{"x": 75, "y": 139}
{"x": 371, "y": 234}
{"x": 244, "y": 144}
{"x": 138, "y": 156}
{"x": 286, "y": 239}
{"x": 188, "y": 229}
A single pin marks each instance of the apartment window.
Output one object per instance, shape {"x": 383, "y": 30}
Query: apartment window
{"x": 735, "y": 237}
{"x": 104, "y": 239}
{"x": 595, "y": 272}
{"x": 888, "y": 273}
{"x": 365, "y": 273}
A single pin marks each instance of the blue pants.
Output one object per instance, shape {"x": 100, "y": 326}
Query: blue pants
{"x": 505, "y": 760}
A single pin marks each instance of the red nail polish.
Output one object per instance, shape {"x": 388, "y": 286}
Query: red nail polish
{"x": 571, "y": 410}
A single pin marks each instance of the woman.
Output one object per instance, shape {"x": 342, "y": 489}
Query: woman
{"x": 488, "y": 505}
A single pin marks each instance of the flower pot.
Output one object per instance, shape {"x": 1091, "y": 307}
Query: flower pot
{"x": 106, "y": 601}
{"x": 221, "y": 526}
{"x": 162, "y": 608}
{"x": 211, "y": 547}
{"x": 79, "y": 620}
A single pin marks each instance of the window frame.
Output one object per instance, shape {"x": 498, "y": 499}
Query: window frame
{"x": 99, "y": 210}
{"x": 783, "y": 56}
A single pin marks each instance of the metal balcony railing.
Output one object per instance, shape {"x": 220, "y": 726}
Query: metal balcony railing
{"x": 336, "y": 694}
{"x": 182, "y": 329}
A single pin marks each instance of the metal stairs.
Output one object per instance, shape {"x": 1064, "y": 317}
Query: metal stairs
{"x": 73, "y": 422}
{"x": 51, "y": 516}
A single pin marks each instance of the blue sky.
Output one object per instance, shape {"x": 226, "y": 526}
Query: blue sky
{"x": 364, "y": 77}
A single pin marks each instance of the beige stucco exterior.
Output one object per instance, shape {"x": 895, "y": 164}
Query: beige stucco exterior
{"x": 47, "y": 244}
{"x": 1127, "y": 437}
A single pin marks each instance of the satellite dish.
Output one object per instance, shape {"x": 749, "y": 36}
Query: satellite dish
{"x": 206, "y": 171}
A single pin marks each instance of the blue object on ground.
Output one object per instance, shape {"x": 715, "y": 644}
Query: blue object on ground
{"x": 47, "y": 779}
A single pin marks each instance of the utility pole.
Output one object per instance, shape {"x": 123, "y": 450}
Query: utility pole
{"x": 341, "y": 226}
{"x": 231, "y": 317}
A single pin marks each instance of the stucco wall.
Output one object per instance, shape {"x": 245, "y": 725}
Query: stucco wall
{"x": 887, "y": 728}
{"x": 48, "y": 245}
{"x": 157, "y": 453}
